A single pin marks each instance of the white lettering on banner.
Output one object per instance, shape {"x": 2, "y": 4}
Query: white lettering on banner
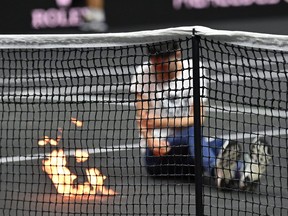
{"x": 201, "y": 4}
{"x": 52, "y": 18}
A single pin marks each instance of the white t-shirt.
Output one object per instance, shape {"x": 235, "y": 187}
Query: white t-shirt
{"x": 172, "y": 98}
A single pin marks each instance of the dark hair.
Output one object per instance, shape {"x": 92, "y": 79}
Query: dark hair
{"x": 163, "y": 48}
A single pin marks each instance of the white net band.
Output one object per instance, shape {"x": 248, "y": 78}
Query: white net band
{"x": 266, "y": 41}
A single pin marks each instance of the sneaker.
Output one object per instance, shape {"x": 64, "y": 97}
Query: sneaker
{"x": 255, "y": 164}
{"x": 226, "y": 164}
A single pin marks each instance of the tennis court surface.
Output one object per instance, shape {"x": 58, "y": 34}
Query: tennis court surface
{"x": 69, "y": 143}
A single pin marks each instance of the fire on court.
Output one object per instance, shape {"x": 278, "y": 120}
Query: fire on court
{"x": 65, "y": 181}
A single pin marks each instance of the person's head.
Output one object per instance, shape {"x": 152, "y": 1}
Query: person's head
{"x": 164, "y": 56}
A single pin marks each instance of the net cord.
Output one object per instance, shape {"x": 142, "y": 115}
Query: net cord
{"x": 257, "y": 40}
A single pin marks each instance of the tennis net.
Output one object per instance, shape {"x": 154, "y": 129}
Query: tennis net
{"x": 74, "y": 111}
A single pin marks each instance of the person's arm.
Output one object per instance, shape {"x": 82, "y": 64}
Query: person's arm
{"x": 153, "y": 121}
{"x": 142, "y": 106}
{"x": 158, "y": 146}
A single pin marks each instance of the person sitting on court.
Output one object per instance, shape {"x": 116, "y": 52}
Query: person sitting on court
{"x": 164, "y": 113}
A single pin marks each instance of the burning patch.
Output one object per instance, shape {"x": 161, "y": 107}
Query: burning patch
{"x": 69, "y": 173}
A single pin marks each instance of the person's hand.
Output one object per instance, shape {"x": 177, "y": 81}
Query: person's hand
{"x": 146, "y": 120}
{"x": 158, "y": 146}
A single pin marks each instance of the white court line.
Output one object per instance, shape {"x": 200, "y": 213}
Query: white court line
{"x": 16, "y": 159}
{"x": 53, "y": 93}
{"x": 113, "y": 101}
{"x": 62, "y": 75}
{"x": 247, "y": 76}
{"x": 227, "y": 64}
{"x": 238, "y": 136}
{"x": 242, "y": 136}
{"x": 50, "y": 91}
{"x": 68, "y": 99}
{"x": 247, "y": 110}
{"x": 125, "y": 70}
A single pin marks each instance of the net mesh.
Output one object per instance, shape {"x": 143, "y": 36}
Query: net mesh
{"x": 71, "y": 142}
{"x": 248, "y": 99}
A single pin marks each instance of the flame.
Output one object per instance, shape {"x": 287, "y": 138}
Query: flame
{"x": 62, "y": 178}
{"x": 77, "y": 122}
{"x": 81, "y": 156}
{"x": 55, "y": 165}
{"x": 47, "y": 140}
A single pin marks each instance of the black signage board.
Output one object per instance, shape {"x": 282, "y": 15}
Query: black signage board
{"x": 65, "y": 16}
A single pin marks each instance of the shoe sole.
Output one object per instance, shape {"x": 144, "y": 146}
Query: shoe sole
{"x": 260, "y": 157}
{"x": 226, "y": 165}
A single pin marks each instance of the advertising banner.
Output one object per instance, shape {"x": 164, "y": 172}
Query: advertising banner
{"x": 76, "y": 16}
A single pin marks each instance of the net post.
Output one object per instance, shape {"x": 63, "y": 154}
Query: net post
{"x": 197, "y": 124}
